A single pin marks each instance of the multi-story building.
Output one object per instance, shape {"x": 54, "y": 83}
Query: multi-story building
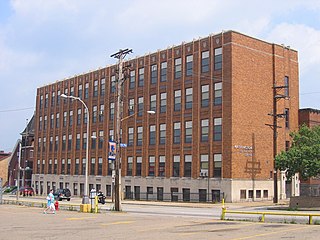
{"x": 213, "y": 98}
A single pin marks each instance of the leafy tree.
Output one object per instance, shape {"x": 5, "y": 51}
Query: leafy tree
{"x": 304, "y": 155}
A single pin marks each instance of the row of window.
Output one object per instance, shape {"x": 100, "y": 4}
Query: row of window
{"x": 205, "y": 66}
{"x": 134, "y": 168}
{"x": 68, "y": 116}
{"x": 67, "y": 142}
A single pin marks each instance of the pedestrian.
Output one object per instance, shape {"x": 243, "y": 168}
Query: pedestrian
{"x": 50, "y": 203}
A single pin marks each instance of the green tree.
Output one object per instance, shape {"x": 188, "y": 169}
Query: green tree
{"x": 304, "y": 155}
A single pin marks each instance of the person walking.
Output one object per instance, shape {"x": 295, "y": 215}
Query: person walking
{"x": 50, "y": 203}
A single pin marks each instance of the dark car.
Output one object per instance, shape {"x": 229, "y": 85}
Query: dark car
{"x": 26, "y": 191}
{"x": 61, "y": 194}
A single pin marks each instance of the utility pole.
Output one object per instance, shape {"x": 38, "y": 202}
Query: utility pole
{"x": 120, "y": 55}
{"x": 19, "y": 168}
{"x": 275, "y": 127}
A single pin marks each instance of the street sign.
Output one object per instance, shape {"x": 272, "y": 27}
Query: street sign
{"x": 124, "y": 145}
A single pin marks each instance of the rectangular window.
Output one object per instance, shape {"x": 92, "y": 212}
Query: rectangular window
{"x": 176, "y": 166}
{"x": 63, "y": 166}
{"x": 217, "y": 129}
{"x": 53, "y": 100}
{"x": 286, "y": 113}
{"x": 80, "y": 91}
{"x": 94, "y": 114}
{"x": 218, "y": 93}
{"x": 69, "y": 142}
{"x": 52, "y": 121}
{"x": 40, "y": 123}
{"x": 205, "y": 62}
{"x": 113, "y": 84}
{"x": 64, "y": 141}
{"x": 68, "y": 166}
{"x": 51, "y": 144}
{"x": 139, "y": 166}
{"x": 141, "y": 77}
{"x": 177, "y": 133}
{"x": 186, "y": 194}
{"x": 93, "y": 140}
{"x": 162, "y": 135}
{"x": 189, "y": 65}
{"x": 46, "y": 100}
{"x": 76, "y": 167}
{"x": 58, "y": 120}
{"x": 177, "y": 68}
{"x": 86, "y": 91}
{"x": 65, "y": 119}
{"x": 131, "y": 107}
{"x": 152, "y": 135}
{"x": 188, "y": 98}
{"x": 70, "y": 118}
{"x": 286, "y": 84}
{"x": 100, "y": 166}
{"x": 72, "y": 91}
{"x": 129, "y": 167}
{"x": 205, "y": 96}
{"x": 204, "y": 130}
{"x": 58, "y": 97}
{"x": 56, "y": 145}
{"x": 204, "y": 165}
{"x": 45, "y": 123}
{"x": 93, "y": 166}
{"x": 84, "y": 141}
{"x": 154, "y": 73}
{"x": 218, "y": 58}
{"x": 132, "y": 79}
{"x": 163, "y": 102}
{"x": 95, "y": 88}
{"x": 162, "y": 166}
{"x": 163, "y": 72}
{"x": 55, "y": 167}
{"x": 111, "y": 112}
{"x": 101, "y": 113}
{"x": 78, "y": 141}
{"x": 152, "y": 164}
{"x": 217, "y": 159}
{"x": 187, "y": 165}
{"x": 140, "y": 106}
{"x": 130, "y": 136}
{"x": 79, "y": 117}
{"x": 50, "y": 166}
{"x": 139, "y": 136}
{"x": 83, "y": 169}
{"x": 177, "y": 100}
{"x": 153, "y": 102}
{"x": 100, "y": 140}
{"x": 102, "y": 86}
{"x": 188, "y": 132}
{"x": 110, "y": 167}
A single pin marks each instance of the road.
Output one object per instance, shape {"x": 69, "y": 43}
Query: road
{"x": 21, "y": 222}
{"x": 199, "y": 210}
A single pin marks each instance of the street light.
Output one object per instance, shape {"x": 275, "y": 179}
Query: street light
{"x": 118, "y": 191}
{"x": 85, "y": 199}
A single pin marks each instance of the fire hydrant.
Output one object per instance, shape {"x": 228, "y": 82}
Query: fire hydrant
{"x": 56, "y": 205}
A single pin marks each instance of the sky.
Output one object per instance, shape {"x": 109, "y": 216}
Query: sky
{"x": 44, "y": 41}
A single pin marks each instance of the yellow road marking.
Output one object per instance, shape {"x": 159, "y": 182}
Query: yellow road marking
{"x": 116, "y": 223}
{"x": 79, "y": 218}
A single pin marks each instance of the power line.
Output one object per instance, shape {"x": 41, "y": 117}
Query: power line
{"x": 16, "y": 110}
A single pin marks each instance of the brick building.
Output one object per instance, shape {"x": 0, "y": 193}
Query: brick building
{"x": 311, "y": 118}
{"x": 4, "y": 160}
{"x": 208, "y": 138}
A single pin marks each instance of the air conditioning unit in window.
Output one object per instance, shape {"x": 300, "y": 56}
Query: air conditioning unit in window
{"x": 203, "y": 172}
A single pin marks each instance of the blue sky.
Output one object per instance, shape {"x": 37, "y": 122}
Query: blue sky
{"x": 43, "y": 41}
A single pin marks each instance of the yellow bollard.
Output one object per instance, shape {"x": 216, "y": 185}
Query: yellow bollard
{"x": 223, "y": 214}
{"x": 96, "y": 204}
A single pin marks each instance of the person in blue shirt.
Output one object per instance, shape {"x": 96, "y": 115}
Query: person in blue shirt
{"x": 50, "y": 203}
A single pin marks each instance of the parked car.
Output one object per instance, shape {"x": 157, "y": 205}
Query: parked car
{"x": 26, "y": 191}
{"x": 61, "y": 194}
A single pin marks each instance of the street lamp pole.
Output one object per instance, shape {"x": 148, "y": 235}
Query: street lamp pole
{"x": 85, "y": 199}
